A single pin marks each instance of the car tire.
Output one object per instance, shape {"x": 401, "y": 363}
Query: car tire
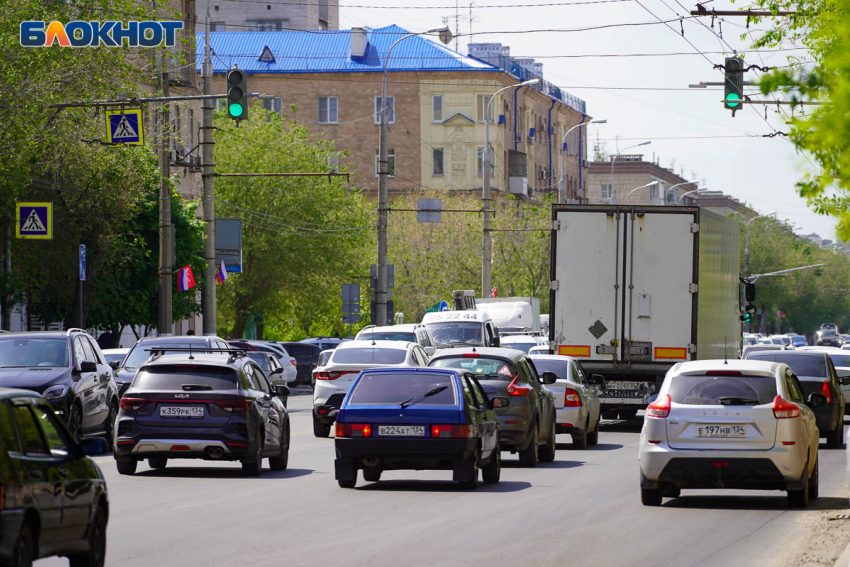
{"x": 320, "y": 428}
{"x": 254, "y": 465}
{"x": 157, "y": 462}
{"x": 371, "y": 475}
{"x": 96, "y": 555}
{"x": 580, "y": 439}
{"x": 492, "y": 471}
{"x": 23, "y": 553}
{"x": 814, "y": 481}
{"x": 281, "y": 461}
{"x": 800, "y": 498}
{"x": 126, "y": 466}
{"x": 547, "y": 454}
{"x": 835, "y": 439}
{"x": 348, "y": 482}
{"x": 109, "y": 426}
{"x": 530, "y": 456}
{"x": 651, "y": 496}
{"x": 75, "y": 422}
{"x": 593, "y": 436}
{"x": 473, "y": 464}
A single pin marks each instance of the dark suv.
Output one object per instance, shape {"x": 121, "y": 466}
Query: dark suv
{"x": 217, "y": 407}
{"x": 53, "y": 498}
{"x": 68, "y": 369}
{"x": 306, "y": 358}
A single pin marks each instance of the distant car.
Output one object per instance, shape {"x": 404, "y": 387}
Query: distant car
{"x": 577, "y": 410}
{"x": 798, "y": 340}
{"x": 306, "y": 356}
{"x": 520, "y": 342}
{"x": 841, "y": 361}
{"x": 114, "y": 355}
{"x": 347, "y": 360}
{"x": 462, "y": 329}
{"x": 829, "y": 326}
{"x": 760, "y": 347}
{"x": 324, "y": 357}
{"x": 539, "y": 349}
{"x": 414, "y": 333}
{"x": 69, "y": 371}
{"x": 828, "y": 337}
{"x": 844, "y": 339}
{"x": 53, "y": 499}
{"x": 750, "y": 339}
{"x": 781, "y": 340}
{"x": 287, "y": 362}
{"x": 271, "y": 367}
{"x": 816, "y": 373}
{"x": 215, "y": 407}
{"x": 527, "y": 421}
{"x": 325, "y": 343}
{"x": 730, "y": 424}
{"x": 417, "y": 418}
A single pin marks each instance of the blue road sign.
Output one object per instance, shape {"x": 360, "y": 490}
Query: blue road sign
{"x": 35, "y": 221}
{"x": 82, "y": 262}
{"x": 444, "y": 305}
{"x": 124, "y": 127}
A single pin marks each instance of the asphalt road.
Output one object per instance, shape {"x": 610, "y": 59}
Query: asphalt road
{"x": 582, "y": 509}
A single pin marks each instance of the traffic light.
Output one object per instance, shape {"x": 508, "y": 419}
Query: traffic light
{"x": 750, "y": 292}
{"x": 734, "y": 84}
{"x": 749, "y": 313}
{"x": 237, "y": 94}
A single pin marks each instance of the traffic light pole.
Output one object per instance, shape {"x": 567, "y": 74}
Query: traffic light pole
{"x": 208, "y": 306}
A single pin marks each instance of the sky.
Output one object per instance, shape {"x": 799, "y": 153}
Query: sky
{"x": 689, "y": 128}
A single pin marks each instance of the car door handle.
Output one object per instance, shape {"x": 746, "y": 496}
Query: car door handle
{"x": 36, "y": 473}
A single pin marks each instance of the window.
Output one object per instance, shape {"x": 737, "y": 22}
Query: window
{"x": 653, "y": 192}
{"x": 483, "y": 100}
{"x": 273, "y": 104}
{"x": 390, "y": 162}
{"x": 480, "y": 396}
{"x": 437, "y": 108}
{"x": 90, "y": 357}
{"x": 468, "y": 396}
{"x": 79, "y": 352}
{"x": 328, "y": 110}
{"x": 33, "y": 442}
{"x": 57, "y": 442}
{"x": 173, "y": 377}
{"x": 795, "y": 393}
{"x": 96, "y": 358}
{"x": 480, "y": 161}
{"x": 261, "y": 382}
{"x": 267, "y": 25}
{"x": 438, "y": 161}
{"x": 217, "y": 26}
{"x": 390, "y": 110}
{"x": 8, "y": 436}
{"x": 385, "y": 388}
{"x": 607, "y": 192}
{"x": 712, "y": 390}
{"x": 370, "y": 355}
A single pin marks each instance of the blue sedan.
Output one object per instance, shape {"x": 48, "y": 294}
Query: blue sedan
{"x": 417, "y": 419}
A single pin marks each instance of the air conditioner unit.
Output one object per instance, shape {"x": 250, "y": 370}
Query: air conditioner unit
{"x": 543, "y": 174}
{"x": 196, "y": 161}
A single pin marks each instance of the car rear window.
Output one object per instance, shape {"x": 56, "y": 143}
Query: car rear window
{"x": 143, "y": 351}
{"x": 840, "y": 360}
{"x": 384, "y": 388}
{"x": 555, "y": 366}
{"x": 260, "y": 359}
{"x": 483, "y": 367}
{"x": 167, "y": 377}
{"x": 367, "y": 355}
{"x": 722, "y": 390}
{"x": 389, "y": 336}
{"x": 300, "y": 351}
{"x": 801, "y": 364}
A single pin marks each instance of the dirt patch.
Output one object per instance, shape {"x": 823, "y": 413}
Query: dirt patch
{"x": 824, "y": 534}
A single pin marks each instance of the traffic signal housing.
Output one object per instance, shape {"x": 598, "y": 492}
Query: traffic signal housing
{"x": 749, "y": 313}
{"x": 733, "y": 92}
{"x": 237, "y": 94}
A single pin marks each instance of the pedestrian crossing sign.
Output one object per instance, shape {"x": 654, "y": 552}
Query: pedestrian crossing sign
{"x": 34, "y": 221}
{"x": 124, "y": 127}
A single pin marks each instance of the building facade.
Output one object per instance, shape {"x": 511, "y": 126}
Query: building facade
{"x": 630, "y": 174}
{"x": 256, "y": 15}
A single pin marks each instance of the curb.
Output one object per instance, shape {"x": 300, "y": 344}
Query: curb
{"x": 844, "y": 560}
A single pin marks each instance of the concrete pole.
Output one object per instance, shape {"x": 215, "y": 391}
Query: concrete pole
{"x": 165, "y": 320}
{"x": 208, "y": 309}
{"x": 383, "y": 171}
{"x": 486, "y": 242}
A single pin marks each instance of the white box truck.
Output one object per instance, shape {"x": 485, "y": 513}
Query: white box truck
{"x": 636, "y": 289}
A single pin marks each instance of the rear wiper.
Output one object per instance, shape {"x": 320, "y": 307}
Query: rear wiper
{"x": 195, "y": 387}
{"x": 738, "y": 401}
{"x": 427, "y": 394}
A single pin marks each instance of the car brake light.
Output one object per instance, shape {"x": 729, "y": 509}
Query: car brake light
{"x": 660, "y": 407}
{"x": 180, "y": 448}
{"x": 827, "y": 393}
{"x": 471, "y": 355}
{"x": 572, "y": 398}
{"x": 293, "y": 362}
{"x": 353, "y": 429}
{"x": 514, "y": 390}
{"x": 330, "y": 375}
{"x": 236, "y": 405}
{"x": 450, "y": 431}
{"x": 724, "y": 373}
{"x": 133, "y": 404}
{"x": 783, "y": 409}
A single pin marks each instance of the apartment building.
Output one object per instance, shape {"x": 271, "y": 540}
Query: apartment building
{"x": 628, "y": 184}
{"x": 271, "y": 15}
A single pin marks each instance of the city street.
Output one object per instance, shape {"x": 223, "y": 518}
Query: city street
{"x": 582, "y": 509}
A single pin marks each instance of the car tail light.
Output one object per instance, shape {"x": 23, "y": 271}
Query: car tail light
{"x": 293, "y": 362}
{"x": 660, "y": 407}
{"x": 783, "y": 409}
{"x": 514, "y": 390}
{"x": 353, "y": 429}
{"x": 180, "y": 448}
{"x": 827, "y": 393}
{"x": 331, "y": 375}
{"x": 471, "y": 355}
{"x": 450, "y": 431}
{"x": 133, "y": 404}
{"x": 720, "y": 463}
{"x": 572, "y": 398}
{"x": 239, "y": 445}
{"x": 235, "y": 405}
{"x": 724, "y": 373}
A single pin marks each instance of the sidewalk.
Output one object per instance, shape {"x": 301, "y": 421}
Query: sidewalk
{"x": 844, "y": 560}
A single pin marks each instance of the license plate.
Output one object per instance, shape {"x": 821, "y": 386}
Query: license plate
{"x": 721, "y": 431}
{"x": 178, "y": 411}
{"x": 401, "y": 430}
{"x": 622, "y": 385}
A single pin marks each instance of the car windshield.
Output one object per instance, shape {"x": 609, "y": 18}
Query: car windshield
{"x": 523, "y": 346}
{"x": 112, "y": 357}
{"x": 142, "y": 351}
{"x": 260, "y": 359}
{"x": 555, "y": 366}
{"x": 457, "y": 333}
{"x": 18, "y": 352}
{"x": 487, "y": 368}
{"x": 382, "y": 388}
{"x": 828, "y": 333}
{"x": 387, "y": 336}
{"x": 840, "y": 360}
{"x": 167, "y": 377}
{"x": 722, "y": 390}
{"x": 801, "y": 364}
{"x": 366, "y": 355}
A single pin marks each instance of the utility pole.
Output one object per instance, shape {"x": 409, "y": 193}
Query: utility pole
{"x": 5, "y": 304}
{"x": 383, "y": 217}
{"x": 208, "y": 296}
{"x": 165, "y": 323}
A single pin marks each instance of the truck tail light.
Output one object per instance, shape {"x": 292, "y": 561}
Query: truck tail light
{"x": 235, "y": 405}
{"x": 660, "y": 407}
{"x": 451, "y": 431}
{"x": 133, "y": 404}
{"x": 783, "y": 409}
{"x": 353, "y": 429}
{"x": 572, "y": 398}
{"x": 827, "y": 393}
{"x": 514, "y": 390}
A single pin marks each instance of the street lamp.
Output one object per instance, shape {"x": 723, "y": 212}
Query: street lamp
{"x": 614, "y": 160}
{"x": 381, "y": 283}
{"x": 485, "y": 192}
{"x": 562, "y": 198}
{"x": 688, "y": 193}
{"x": 747, "y": 241}
{"x": 650, "y": 184}
{"x": 667, "y": 192}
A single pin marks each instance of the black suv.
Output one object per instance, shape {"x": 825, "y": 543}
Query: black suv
{"x": 217, "y": 407}
{"x": 306, "y": 358}
{"x": 144, "y": 347}
{"x": 53, "y": 499}
{"x": 68, "y": 369}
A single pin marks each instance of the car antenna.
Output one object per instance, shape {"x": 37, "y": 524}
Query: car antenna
{"x": 725, "y": 348}
{"x": 190, "y": 352}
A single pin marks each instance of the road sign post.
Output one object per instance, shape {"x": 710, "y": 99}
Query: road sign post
{"x": 82, "y": 279}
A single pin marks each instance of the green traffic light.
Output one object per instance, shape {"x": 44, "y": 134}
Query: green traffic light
{"x": 732, "y": 100}
{"x": 235, "y": 109}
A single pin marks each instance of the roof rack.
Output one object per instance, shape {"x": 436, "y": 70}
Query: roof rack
{"x": 74, "y": 330}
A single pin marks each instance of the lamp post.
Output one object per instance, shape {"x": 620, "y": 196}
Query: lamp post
{"x": 688, "y": 193}
{"x": 485, "y": 192}
{"x": 677, "y": 185}
{"x": 614, "y": 160}
{"x": 650, "y": 184}
{"x": 747, "y": 241}
{"x": 562, "y": 197}
{"x": 381, "y": 268}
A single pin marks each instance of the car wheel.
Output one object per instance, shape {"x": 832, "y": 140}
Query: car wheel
{"x": 126, "y": 466}
{"x": 320, "y": 428}
{"x": 800, "y": 498}
{"x": 580, "y": 439}
{"x": 593, "y": 436}
{"x": 547, "y": 455}
{"x": 348, "y": 482}
{"x": 371, "y": 475}
{"x": 109, "y": 426}
{"x": 96, "y": 555}
{"x": 75, "y": 422}
{"x": 530, "y": 456}
{"x": 23, "y": 553}
{"x": 832, "y": 440}
{"x": 813, "y": 482}
{"x": 492, "y": 472}
{"x": 473, "y": 479}
{"x": 280, "y": 462}
{"x": 254, "y": 465}
{"x": 650, "y": 496}
{"x": 157, "y": 462}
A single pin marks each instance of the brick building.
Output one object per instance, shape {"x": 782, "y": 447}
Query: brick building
{"x": 631, "y": 172}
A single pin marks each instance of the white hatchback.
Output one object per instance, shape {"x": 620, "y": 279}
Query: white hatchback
{"x": 738, "y": 424}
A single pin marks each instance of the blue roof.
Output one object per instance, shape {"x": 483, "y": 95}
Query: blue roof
{"x": 330, "y": 52}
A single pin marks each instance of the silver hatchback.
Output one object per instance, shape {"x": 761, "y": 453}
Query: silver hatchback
{"x": 737, "y": 424}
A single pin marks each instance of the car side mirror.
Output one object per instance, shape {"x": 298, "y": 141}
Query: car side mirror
{"x": 549, "y": 378}
{"x": 816, "y": 400}
{"x": 94, "y": 446}
{"x": 114, "y": 364}
{"x": 281, "y": 391}
{"x": 429, "y": 350}
{"x": 277, "y": 371}
{"x": 596, "y": 380}
{"x": 88, "y": 366}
